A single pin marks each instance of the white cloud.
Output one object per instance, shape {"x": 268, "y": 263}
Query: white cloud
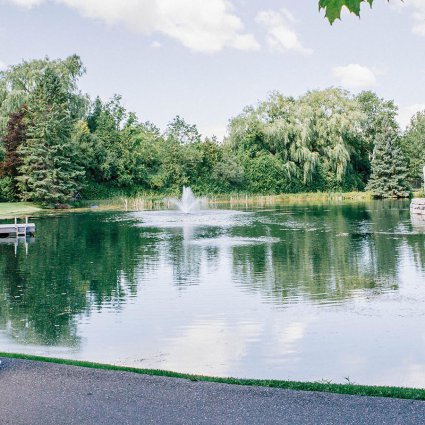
{"x": 280, "y": 34}
{"x": 156, "y": 45}
{"x": 219, "y": 345}
{"x": 202, "y": 26}
{"x": 406, "y": 113}
{"x": 418, "y": 16}
{"x": 27, "y": 3}
{"x": 355, "y": 76}
{"x": 2, "y": 66}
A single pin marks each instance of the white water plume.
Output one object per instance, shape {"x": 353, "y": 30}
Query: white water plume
{"x": 188, "y": 202}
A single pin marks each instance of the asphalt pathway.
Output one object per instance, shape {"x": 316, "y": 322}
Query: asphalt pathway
{"x": 36, "y": 393}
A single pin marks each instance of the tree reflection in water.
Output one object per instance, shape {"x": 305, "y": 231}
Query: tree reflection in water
{"x": 83, "y": 263}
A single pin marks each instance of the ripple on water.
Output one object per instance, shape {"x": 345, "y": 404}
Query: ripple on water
{"x": 258, "y": 294}
{"x": 229, "y": 241}
{"x": 206, "y": 218}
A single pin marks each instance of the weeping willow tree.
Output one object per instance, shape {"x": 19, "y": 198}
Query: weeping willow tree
{"x": 330, "y": 120}
{"x": 18, "y": 82}
{"x": 313, "y": 137}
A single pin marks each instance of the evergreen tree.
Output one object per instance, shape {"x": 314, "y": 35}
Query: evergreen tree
{"x": 14, "y": 137}
{"x": 389, "y": 177}
{"x": 413, "y": 146}
{"x": 377, "y": 112}
{"x": 49, "y": 172}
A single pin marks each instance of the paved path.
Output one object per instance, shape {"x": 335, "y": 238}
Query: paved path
{"x": 33, "y": 393}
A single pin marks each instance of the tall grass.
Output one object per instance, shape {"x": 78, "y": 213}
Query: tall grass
{"x": 149, "y": 201}
{"x": 154, "y": 201}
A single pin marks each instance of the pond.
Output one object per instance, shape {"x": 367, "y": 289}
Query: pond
{"x": 330, "y": 291}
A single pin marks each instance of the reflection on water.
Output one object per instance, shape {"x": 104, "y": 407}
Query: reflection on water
{"x": 306, "y": 293}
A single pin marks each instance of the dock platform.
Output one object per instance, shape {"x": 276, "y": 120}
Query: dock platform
{"x": 17, "y": 229}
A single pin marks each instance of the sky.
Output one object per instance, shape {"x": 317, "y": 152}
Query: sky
{"x": 207, "y": 60}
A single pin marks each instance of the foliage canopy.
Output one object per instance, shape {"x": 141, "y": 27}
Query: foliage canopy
{"x": 56, "y": 144}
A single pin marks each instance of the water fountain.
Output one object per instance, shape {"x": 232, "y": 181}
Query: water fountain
{"x": 188, "y": 203}
{"x": 189, "y": 213}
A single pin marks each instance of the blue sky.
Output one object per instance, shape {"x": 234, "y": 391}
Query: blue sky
{"x": 206, "y": 60}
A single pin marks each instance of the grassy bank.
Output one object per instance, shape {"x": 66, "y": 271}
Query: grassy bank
{"x": 289, "y": 198}
{"x": 148, "y": 201}
{"x": 13, "y": 209}
{"x": 351, "y": 389}
{"x": 151, "y": 201}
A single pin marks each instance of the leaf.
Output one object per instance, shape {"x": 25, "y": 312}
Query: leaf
{"x": 333, "y": 7}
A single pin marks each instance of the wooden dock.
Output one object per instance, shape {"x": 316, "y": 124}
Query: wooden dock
{"x": 17, "y": 229}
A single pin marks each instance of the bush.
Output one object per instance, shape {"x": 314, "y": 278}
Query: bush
{"x": 265, "y": 173}
{"x": 7, "y": 192}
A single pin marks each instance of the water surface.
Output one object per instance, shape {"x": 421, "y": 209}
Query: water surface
{"x": 314, "y": 292}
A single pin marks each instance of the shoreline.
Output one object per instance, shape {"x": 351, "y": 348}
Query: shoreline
{"x": 41, "y": 393}
{"x": 395, "y": 392}
{"x": 153, "y": 202}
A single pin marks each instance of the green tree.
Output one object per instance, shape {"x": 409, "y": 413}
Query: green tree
{"x": 323, "y": 140}
{"x": 181, "y": 165}
{"x": 181, "y": 154}
{"x": 228, "y": 174}
{"x": 181, "y": 131}
{"x": 120, "y": 151}
{"x": 413, "y": 146}
{"x": 377, "y": 112}
{"x": 137, "y": 154}
{"x": 389, "y": 177}
{"x": 12, "y": 140}
{"x": 330, "y": 131}
{"x": 49, "y": 172}
{"x": 314, "y": 137}
{"x": 266, "y": 174}
{"x": 18, "y": 82}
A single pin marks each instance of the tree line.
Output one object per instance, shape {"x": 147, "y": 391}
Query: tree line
{"x": 58, "y": 145}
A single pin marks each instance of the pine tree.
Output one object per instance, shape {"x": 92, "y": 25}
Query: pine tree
{"x": 13, "y": 138}
{"x": 389, "y": 177}
{"x": 49, "y": 172}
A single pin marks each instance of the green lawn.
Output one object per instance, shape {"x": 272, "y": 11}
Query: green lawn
{"x": 17, "y": 209}
{"x": 352, "y": 389}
